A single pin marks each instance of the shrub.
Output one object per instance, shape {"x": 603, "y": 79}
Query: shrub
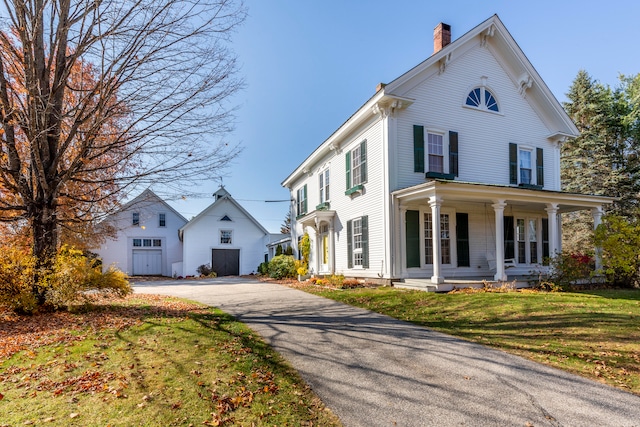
{"x": 289, "y": 250}
{"x": 301, "y": 268}
{"x": 566, "y": 270}
{"x": 305, "y": 248}
{"x": 17, "y": 268}
{"x": 282, "y": 267}
{"x": 351, "y": 283}
{"x": 263, "y": 268}
{"x": 619, "y": 239}
{"x": 279, "y": 249}
{"x": 205, "y": 270}
{"x": 74, "y": 274}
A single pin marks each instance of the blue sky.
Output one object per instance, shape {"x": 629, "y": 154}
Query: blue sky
{"x": 309, "y": 64}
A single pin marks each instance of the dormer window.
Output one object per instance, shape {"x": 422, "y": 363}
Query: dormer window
{"x": 482, "y": 99}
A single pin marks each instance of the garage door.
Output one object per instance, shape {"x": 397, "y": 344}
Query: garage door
{"x": 147, "y": 262}
{"x": 226, "y": 262}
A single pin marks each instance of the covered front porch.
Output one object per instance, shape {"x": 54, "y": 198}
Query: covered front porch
{"x": 447, "y": 231}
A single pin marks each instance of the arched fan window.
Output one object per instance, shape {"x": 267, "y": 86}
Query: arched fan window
{"x": 482, "y": 99}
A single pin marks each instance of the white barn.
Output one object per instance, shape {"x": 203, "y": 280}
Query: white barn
{"x": 146, "y": 241}
{"x": 226, "y": 237}
{"x": 451, "y": 171}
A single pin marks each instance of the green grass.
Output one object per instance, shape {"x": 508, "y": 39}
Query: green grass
{"x": 595, "y": 334}
{"x": 200, "y": 368}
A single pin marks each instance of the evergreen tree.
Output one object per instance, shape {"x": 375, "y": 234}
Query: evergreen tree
{"x": 285, "y": 228}
{"x": 603, "y": 160}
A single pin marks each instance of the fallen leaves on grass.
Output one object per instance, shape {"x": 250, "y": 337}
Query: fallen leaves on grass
{"x": 18, "y": 333}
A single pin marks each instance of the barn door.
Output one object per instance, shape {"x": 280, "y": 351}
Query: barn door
{"x": 225, "y": 262}
{"x": 147, "y": 263}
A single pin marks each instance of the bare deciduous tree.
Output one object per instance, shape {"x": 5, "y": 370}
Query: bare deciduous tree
{"x": 100, "y": 97}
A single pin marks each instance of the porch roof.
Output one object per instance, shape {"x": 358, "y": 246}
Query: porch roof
{"x": 451, "y": 191}
{"x": 315, "y": 218}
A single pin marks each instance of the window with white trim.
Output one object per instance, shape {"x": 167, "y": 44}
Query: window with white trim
{"x": 324, "y": 186}
{"x": 135, "y": 220}
{"x": 301, "y": 201}
{"x": 435, "y": 152}
{"x": 137, "y": 242}
{"x": 356, "y": 168}
{"x": 225, "y": 237}
{"x": 162, "y": 219}
{"x": 357, "y": 242}
{"x": 482, "y": 99}
{"x": 445, "y": 238}
{"x": 524, "y": 166}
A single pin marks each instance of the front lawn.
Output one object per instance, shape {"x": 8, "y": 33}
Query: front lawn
{"x": 146, "y": 361}
{"x": 595, "y": 334}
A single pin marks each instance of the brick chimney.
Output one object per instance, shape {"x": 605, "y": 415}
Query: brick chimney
{"x": 441, "y": 36}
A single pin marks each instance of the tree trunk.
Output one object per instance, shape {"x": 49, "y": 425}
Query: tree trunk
{"x": 44, "y": 229}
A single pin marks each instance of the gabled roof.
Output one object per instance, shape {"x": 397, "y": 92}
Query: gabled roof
{"x": 222, "y": 196}
{"x": 493, "y": 35}
{"x": 148, "y": 196}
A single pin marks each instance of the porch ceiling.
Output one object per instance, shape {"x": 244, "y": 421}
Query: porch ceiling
{"x": 452, "y": 191}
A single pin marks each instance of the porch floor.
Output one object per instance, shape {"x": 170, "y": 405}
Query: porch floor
{"x": 425, "y": 284}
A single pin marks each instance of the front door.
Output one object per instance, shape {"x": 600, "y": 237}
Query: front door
{"x": 324, "y": 248}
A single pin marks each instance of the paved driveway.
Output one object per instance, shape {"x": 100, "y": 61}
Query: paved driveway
{"x": 372, "y": 370}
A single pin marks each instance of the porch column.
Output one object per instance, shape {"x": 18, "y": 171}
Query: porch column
{"x": 435, "y": 203}
{"x": 331, "y": 247}
{"x": 552, "y": 212}
{"x": 597, "y": 219}
{"x": 498, "y": 208}
{"x": 402, "y": 247}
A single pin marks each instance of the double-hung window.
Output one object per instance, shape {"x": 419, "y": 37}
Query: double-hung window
{"x": 445, "y": 238}
{"x": 135, "y": 218}
{"x": 435, "y": 154}
{"x": 301, "y": 201}
{"x": 162, "y": 219}
{"x": 435, "y": 148}
{"x": 358, "y": 242}
{"x": 356, "y": 168}
{"x": 526, "y": 166}
{"x": 324, "y": 186}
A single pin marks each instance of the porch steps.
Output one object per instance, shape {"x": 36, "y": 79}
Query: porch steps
{"x": 448, "y": 285}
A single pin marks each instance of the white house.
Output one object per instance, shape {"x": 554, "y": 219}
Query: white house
{"x": 226, "y": 237}
{"x": 146, "y": 241}
{"x": 450, "y": 171}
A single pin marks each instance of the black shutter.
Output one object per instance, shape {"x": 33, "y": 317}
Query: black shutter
{"x": 539, "y": 167}
{"x": 453, "y": 153}
{"x": 365, "y": 241}
{"x": 462, "y": 239}
{"x": 363, "y": 162}
{"x": 509, "y": 238}
{"x": 349, "y": 243}
{"x": 412, "y": 226}
{"x": 418, "y": 148}
{"x": 348, "y": 168}
{"x": 513, "y": 163}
